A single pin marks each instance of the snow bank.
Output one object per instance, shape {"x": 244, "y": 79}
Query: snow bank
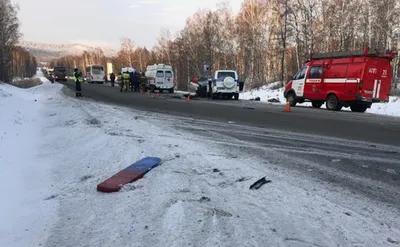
{"x": 25, "y": 178}
{"x": 60, "y": 148}
{"x": 265, "y": 93}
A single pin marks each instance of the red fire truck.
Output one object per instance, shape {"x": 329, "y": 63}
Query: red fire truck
{"x": 342, "y": 79}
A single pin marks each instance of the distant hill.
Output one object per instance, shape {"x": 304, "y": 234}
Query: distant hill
{"x": 45, "y": 52}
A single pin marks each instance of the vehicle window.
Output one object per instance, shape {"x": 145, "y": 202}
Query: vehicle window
{"x": 301, "y": 74}
{"x": 59, "y": 69}
{"x": 168, "y": 74}
{"x": 97, "y": 71}
{"x": 160, "y": 73}
{"x": 226, "y": 74}
{"x": 315, "y": 72}
{"x": 98, "y": 68}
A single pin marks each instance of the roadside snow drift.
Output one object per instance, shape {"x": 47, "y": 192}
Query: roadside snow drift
{"x": 56, "y": 149}
{"x": 269, "y": 92}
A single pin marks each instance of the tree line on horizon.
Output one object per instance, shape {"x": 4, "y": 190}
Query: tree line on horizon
{"x": 267, "y": 41}
{"x": 15, "y": 61}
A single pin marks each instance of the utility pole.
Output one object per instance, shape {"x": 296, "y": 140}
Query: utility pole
{"x": 188, "y": 70}
{"x": 284, "y": 45}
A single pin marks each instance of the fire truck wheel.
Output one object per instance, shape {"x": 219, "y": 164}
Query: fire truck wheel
{"x": 316, "y": 104}
{"x": 292, "y": 99}
{"x": 332, "y": 103}
{"x": 358, "y": 108}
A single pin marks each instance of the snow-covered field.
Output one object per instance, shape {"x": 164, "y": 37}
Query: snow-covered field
{"x": 266, "y": 92}
{"x": 56, "y": 149}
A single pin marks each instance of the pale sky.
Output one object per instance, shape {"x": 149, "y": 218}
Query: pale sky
{"x": 106, "y": 21}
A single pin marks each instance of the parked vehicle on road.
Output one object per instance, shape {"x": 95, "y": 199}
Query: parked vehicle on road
{"x": 199, "y": 86}
{"x": 95, "y": 74}
{"x": 160, "y": 77}
{"x": 225, "y": 84}
{"x": 60, "y": 73}
{"x": 342, "y": 79}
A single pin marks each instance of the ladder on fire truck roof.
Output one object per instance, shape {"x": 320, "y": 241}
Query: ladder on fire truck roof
{"x": 345, "y": 54}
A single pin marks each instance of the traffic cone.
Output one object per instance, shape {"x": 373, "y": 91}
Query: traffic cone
{"x": 188, "y": 97}
{"x": 141, "y": 91}
{"x": 158, "y": 94}
{"x": 148, "y": 92}
{"x": 287, "y": 106}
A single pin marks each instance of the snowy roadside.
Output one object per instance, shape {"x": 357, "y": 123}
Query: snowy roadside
{"x": 25, "y": 179}
{"x": 199, "y": 196}
{"x": 265, "y": 93}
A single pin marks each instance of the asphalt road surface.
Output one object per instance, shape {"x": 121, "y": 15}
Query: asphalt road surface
{"x": 354, "y": 126}
{"x": 306, "y": 141}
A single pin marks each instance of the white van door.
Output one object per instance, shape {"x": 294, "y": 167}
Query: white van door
{"x": 160, "y": 78}
{"x": 298, "y": 82}
{"x": 169, "y": 79}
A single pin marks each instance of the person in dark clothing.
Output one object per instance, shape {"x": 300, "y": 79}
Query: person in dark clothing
{"x": 78, "y": 80}
{"x": 112, "y": 78}
{"x": 131, "y": 80}
{"x": 136, "y": 81}
{"x": 209, "y": 88}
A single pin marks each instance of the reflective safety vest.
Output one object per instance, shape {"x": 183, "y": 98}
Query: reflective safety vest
{"x": 126, "y": 77}
{"x": 78, "y": 77}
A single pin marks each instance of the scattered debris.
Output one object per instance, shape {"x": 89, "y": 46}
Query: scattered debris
{"x": 242, "y": 179}
{"x": 348, "y": 213}
{"x": 259, "y": 183}
{"x": 52, "y": 114}
{"x": 274, "y": 100}
{"x": 231, "y": 122}
{"x": 256, "y": 99}
{"x": 390, "y": 240}
{"x": 86, "y": 177}
{"x": 204, "y": 199}
{"x": 216, "y": 170}
{"x": 50, "y": 197}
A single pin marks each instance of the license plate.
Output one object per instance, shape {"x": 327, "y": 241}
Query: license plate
{"x": 160, "y": 82}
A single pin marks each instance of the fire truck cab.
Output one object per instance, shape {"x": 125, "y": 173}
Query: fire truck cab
{"x": 342, "y": 79}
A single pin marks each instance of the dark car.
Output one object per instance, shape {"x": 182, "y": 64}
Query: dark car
{"x": 199, "y": 86}
{"x": 60, "y": 73}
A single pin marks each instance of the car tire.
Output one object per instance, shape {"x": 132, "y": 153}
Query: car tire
{"x": 292, "y": 99}
{"x": 332, "y": 103}
{"x": 236, "y": 96}
{"x": 358, "y": 108}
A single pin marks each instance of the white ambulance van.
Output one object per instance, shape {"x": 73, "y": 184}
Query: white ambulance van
{"x": 160, "y": 77}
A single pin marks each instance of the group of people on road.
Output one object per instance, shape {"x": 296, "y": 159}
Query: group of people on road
{"x": 132, "y": 80}
{"x": 128, "y": 80}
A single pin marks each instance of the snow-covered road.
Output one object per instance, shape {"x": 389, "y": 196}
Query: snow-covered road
{"x": 56, "y": 149}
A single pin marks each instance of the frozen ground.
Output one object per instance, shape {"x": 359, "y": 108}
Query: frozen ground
{"x": 59, "y": 148}
{"x": 267, "y": 92}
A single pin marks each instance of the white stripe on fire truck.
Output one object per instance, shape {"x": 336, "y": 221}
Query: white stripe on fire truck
{"x": 342, "y": 80}
{"x": 378, "y": 92}
{"x": 374, "y": 91}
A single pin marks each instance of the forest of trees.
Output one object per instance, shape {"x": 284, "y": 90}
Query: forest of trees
{"x": 14, "y": 61}
{"x": 266, "y": 41}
